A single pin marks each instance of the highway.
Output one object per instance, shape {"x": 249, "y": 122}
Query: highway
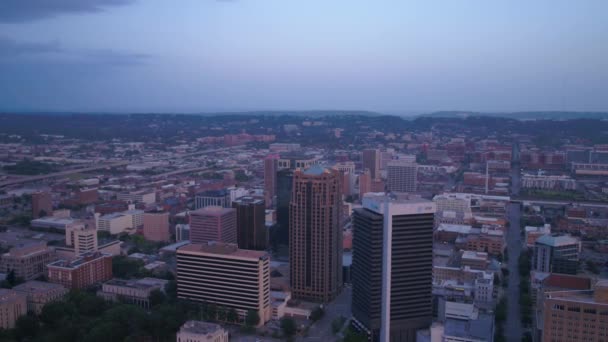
{"x": 27, "y": 179}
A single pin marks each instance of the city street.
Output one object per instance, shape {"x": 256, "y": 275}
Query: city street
{"x": 513, "y": 328}
{"x": 321, "y": 330}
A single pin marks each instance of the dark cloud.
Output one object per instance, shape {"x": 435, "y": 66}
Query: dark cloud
{"x": 15, "y": 52}
{"x": 15, "y": 11}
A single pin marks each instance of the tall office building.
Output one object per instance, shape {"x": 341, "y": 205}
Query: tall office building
{"x": 556, "y": 254}
{"x": 284, "y": 186}
{"x": 392, "y": 267}
{"x": 213, "y": 224}
{"x": 270, "y": 179}
{"x": 42, "y": 204}
{"x": 227, "y": 276}
{"x": 315, "y": 234}
{"x": 156, "y": 226}
{"x": 401, "y": 176}
{"x": 251, "y": 232}
{"x": 370, "y": 159}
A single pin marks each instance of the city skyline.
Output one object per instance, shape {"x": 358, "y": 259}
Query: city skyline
{"x": 393, "y": 57}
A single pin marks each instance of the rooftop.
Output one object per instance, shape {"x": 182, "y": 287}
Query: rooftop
{"x": 221, "y": 248}
{"x": 211, "y": 211}
{"x": 36, "y": 286}
{"x": 565, "y": 281}
{"x": 556, "y": 241}
{"x": 75, "y": 263}
{"x": 249, "y": 200}
{"x": 199, "y": 327}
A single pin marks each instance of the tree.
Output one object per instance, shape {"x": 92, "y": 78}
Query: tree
{"x": 157, "y": 297}
{"x": 288, "y": 326}
{"x": 352, "y": 336}
{"x": 252, "y": 319}
{"x": 317, "y": 314}
{"x": 232, "y": 315}
{"x": 26, "y": 326}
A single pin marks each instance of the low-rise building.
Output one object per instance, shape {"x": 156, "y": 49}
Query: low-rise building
{"x": 28, "y": 261}
{"x": 135, "y": 292}
{"x": 88, "y": 269}
{"x": 12, "y": 306}
{"x": 117, "y": 223}
{"x": 39, "y": 293}
{"x": 198, "y": 331}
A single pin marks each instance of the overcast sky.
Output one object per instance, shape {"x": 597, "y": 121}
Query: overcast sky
{"x": 389, "y": 56}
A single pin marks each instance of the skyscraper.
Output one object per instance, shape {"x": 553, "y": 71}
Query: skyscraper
{"x": 401, "y": 176}
{"x": 221, "y": 274}
{"x": 315, "y": 234}
{"x": 213, "y": 224}
{"x": 156, "y": 226}
{"x": 392, "y": 267}
{"x": 284, "y": 185}
{"x": 270, "y": 179}
{"x": 251, "y": 223}
{"x": 370, "y": 159}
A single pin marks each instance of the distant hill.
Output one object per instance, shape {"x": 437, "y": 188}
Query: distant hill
{"x": 305, "y": 113}
{"x": 549, "y": 115}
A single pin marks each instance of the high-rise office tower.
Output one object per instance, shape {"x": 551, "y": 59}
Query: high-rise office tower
{"x": 270, "y": 179}
{"x": 42, "y": 204}
{"x": 156, "y": 226}
{"x": 226, "y": 276}
{"x": 315, "y": 234}
{"x": 284, "y": 185}
{"x": 213, "y": 224}
{"x": 392, "y": 267}
{"x": 401, "y": 176}
{"x": 370, "y": 159}
{"x": 251, "y": 232}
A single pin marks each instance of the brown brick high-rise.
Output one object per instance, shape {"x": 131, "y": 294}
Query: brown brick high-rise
{"x": 315, "y": 234}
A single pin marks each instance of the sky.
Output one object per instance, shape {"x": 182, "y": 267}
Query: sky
{"x": 237, "y": 55}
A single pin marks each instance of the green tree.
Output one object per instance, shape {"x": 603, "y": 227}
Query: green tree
{"x": 352, "y": 336}
{"x": 157, "y": 297}
{"x": 26, "y": 326}
{"x": 252, "y": 319}
{"x": 317, "y": 314}
{"x": 288, "y": 326}
{"x": 232, "y": 315}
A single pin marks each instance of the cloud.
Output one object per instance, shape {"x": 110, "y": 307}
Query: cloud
{"x": 15, "y": 52}
{"x": 12, "y": 48}
{"x": 16, "y": 11}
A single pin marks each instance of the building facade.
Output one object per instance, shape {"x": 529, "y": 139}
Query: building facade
{"x": 370, "y": 159}
{"x": 199, "y": 331}
{"x": 81, "y": 238}
{"x": 392, "y": 270}
{"x": 251, "y": 223}
{"x": 12, "y": 306}
{"x": 136, "y": 292}
{"x": 315, "y": 234}
{"x": 213, "y": 224}
{"x": 556, "y": 254}
{"x": 226, "y": 276}
{"x": 27, "y": 261}
{"x": 402, "y": 176}
{"x": 156, "y": 226}
{"x": 88, "y": 269}
{"x": 270, "y": 179}
{"x": 42, "y": 203}
{"x": 39, "y": 293}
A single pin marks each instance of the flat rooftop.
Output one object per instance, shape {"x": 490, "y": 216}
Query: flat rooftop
{"x": 220, "y": 248}
{"x": 200, "y": 327}
{"x": 36, "y": 286}
{"x": 211, "y": 211}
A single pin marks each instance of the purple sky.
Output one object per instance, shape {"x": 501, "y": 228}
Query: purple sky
{"x": 388, "y": 56}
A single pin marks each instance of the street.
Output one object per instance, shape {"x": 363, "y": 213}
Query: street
{"x": 321, "y": 330}
{"x": 513, "y": 328}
